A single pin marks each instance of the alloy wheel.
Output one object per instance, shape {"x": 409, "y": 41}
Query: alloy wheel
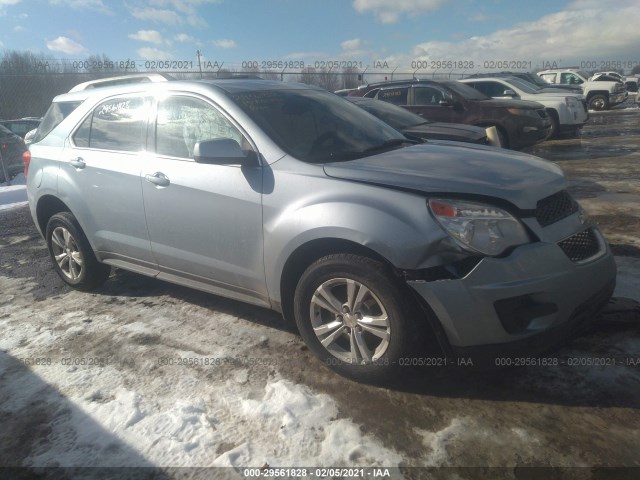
{"x": 350, "y": 321}
{"x": 66, "y": 253}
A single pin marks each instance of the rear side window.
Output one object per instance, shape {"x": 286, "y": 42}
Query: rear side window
{"x": 118, "y": 124}
{"x": 397, "y": 96}
{"x": 549, "y": 77}
{"x": 57, "y": 112}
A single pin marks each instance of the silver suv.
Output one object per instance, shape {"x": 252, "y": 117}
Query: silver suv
{"x": 292, "y": 198}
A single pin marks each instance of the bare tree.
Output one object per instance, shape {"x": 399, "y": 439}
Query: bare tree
{"x": 350, "y": 76}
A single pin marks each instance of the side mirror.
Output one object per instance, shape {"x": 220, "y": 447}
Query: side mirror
{"x": 221, "y": 151}
{"x": 509, "y": 93}
{"x": 446, "y": 102}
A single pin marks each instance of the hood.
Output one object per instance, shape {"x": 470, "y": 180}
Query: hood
{"x": 457, "y": 168}
{"x": 447, "y": 131}
{"x": 509, "y": 103}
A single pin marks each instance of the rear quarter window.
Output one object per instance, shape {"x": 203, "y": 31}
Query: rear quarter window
{"x": 56, "y": 113}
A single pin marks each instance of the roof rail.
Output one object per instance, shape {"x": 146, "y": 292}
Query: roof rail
{"x": 123, "y": 80}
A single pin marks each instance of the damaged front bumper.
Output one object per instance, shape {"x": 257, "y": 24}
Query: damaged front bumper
{"x": 533, "y": 298}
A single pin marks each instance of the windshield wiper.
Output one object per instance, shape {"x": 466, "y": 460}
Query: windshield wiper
{"x": 393, "y": 142}
{"x": 354, "y": 154}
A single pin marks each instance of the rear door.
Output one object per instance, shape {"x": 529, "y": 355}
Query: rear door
{"x": 100, "y": 179}
{"x": 426, "y": 101}
{"x": 205, "y": 221}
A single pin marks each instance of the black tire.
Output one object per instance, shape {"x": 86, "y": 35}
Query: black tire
{"x": 502, "y": 136}
{"x": 599, "y": 102}
{"x": 77, "y": 265}
{"x": 555, "y": 124}
{"x": 333, "y": 273}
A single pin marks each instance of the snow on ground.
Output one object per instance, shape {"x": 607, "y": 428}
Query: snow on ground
{"x": 14, "y": 195}
{"x": 138, "y": 411}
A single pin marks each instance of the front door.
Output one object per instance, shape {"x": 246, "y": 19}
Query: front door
{"x": 205, "y": 221}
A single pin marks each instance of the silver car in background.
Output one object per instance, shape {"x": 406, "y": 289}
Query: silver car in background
{"x": 292, "y": 198}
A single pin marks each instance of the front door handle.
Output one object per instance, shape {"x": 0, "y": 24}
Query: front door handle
{"x": 159, "y": 179}
{"x": 78, "y": 163}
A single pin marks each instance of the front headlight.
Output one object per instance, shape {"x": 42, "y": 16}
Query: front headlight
{"x": 478, "y": 227}
{"x": 523, "y": 111}
{"x": 571, "y": 102}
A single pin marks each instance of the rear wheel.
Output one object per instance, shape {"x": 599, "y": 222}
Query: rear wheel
{"x": 71, "y": 254}
{"x": 354, "y": 316}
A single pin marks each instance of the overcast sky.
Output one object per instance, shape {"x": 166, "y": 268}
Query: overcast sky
{"x": 396, "y": 31}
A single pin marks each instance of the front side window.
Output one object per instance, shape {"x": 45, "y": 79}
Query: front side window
{"x": 184, "y": 121}
{"x": 117, "y": 124}
{"x": 428, "y": 96}
{"x": 490, "y": 89}
{"x": 570, "y": 78}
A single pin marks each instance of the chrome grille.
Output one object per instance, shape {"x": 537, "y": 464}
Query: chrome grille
{"x": 555, "y": 207}
{"x": 581, "y": 246}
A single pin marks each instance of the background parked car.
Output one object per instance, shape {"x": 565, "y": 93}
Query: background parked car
{"x": 567, "y": 111}
{"x": 519, "y": 123}
{"x": 531, "y": 78}
{"x": 11, "y": 148}
{"x": 413, "y": 125}
{"x": 22, "y": 125}
{"x": 631, "y": 82}
{"x": 601, "y": 94}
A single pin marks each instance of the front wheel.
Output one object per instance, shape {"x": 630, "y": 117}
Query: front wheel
{"x": 71, "y": 254}
{"x": 599, "y": 102}
{"x": 353, "y": 315}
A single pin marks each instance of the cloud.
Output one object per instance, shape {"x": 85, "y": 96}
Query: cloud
{"x": 156, "y": 15}
{"x": 173, "y": 12}
{"x": 9, "y": 2}
{"x": 67, "y": 46}
{"x": 184, "y": 6}
{"x": 390, "y": 12}
{"x": 19, "y": 29}
{"x": 184, "y": 38}
{"x": 353, "y": 44}
{"x": 585, "y": 30}
{"x": 224, "y": 43}
{"x": 149, "y": 53}
{"x": 97, "y": 5}
{"x": 150, "y": 36}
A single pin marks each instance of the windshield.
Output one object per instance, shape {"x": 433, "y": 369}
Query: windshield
{"x": 537, "y": 80}
{"x": 523, "y": 85}
{"x": 316, "y": 126}
{"x": 465, "y": 91}
{"x": 582, "y": 74}
{"x": 397, "y": 117}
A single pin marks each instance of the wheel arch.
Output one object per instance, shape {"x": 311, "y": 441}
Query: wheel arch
{"x": 307, "y": 253}
{"x": 48, "y": 205}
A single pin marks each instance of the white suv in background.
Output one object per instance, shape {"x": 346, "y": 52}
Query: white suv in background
{"x": 601, "y": 95}
{"x": 567, "y": 111}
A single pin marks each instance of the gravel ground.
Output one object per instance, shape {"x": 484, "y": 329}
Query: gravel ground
{"x": 92, "y": 379}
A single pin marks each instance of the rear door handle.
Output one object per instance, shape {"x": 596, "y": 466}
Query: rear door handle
{"x": 158, "y": 178}
{"x": 78, "y": 163}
